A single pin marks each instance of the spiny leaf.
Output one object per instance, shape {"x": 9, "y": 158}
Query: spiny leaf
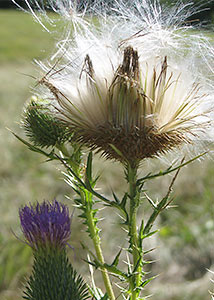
{"x": 33, "y": 148}
{"x": 145, "y": 282}
{"x": 148, "y": 251}
{"x": 137, "y": 264}
{"x": 95, "y": 263}
{"x": 149, "y": 234}
{"x": 115, "y": 198}
{"x": 115, "y": 271}
{"x": 116, "y": 260}
{"x": 169, "y": 170}
{"x": 141, "y": 233}
{"x": 89, "y": 167}
{"x": 123, "y": 202}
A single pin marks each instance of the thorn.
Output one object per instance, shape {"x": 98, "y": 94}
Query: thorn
{"x": 150, "y": 201}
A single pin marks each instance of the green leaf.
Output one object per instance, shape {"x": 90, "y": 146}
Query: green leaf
{"x": 149, "y": 234}
{"x": 123, "y": 202}
{"x": 137, "y": 264}
{"x": 89, "y": 167}
{"x": 116, "y": 260}
{"x": 115, "y": 271}
{"x": 33, "y": 148}
{"x": 145, "y": 282}
{"x": 115, "y": 198}
{"x": 141, "y": 233}
{"x": 148, "y": 251}
{"x": 169, "y": 169}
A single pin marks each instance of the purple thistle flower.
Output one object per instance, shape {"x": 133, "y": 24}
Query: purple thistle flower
{"x": 46, "y": 225}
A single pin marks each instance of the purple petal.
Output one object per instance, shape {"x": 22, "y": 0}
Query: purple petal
{"x": 46, "y": 224}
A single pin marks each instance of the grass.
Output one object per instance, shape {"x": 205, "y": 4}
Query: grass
{"x": 186, "y": 237}
{"x": 21, "y": 38}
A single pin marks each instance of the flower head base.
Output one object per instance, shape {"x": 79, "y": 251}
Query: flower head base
{"x": 46, "y": 225}
{"x": 142, "y": 110}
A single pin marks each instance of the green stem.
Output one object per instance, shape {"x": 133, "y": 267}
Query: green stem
{"x": 86, "y": 198}
{"x": 71, "y": 162}
{"x": 94, "y": 234}
{"x": 133, "y": 233}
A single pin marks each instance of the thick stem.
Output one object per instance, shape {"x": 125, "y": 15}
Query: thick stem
{"x": 133, "y": 233}
{"x": 86, "y": 198}
{"x": 94, "y": 234}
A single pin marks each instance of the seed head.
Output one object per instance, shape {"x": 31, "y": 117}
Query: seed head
{"x": 143, "y": 110}
{"x": 125, "y": 88}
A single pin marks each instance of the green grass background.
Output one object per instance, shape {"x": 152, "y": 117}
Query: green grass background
{"x": 185, "y": 243}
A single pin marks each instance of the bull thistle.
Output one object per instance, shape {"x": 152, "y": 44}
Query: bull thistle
{"x": 122, "y": 87}
{"x": 46, "y": 229}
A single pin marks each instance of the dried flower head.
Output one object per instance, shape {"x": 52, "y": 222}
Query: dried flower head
{"x": 122, "y": 89}
{"x": 46, "y": 225}
{"x": 142, "y": 110}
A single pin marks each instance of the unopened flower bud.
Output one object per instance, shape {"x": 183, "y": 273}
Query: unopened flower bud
{"x": 42, "y": 127}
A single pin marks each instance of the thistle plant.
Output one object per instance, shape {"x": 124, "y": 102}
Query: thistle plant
{"x": 121, "y": 88}
{"x": 46, "y": 228}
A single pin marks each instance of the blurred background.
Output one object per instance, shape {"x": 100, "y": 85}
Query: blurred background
{"x": 185, "y": 243}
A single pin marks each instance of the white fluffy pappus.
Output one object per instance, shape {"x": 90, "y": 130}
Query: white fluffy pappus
{"x": 121, "y": 85}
